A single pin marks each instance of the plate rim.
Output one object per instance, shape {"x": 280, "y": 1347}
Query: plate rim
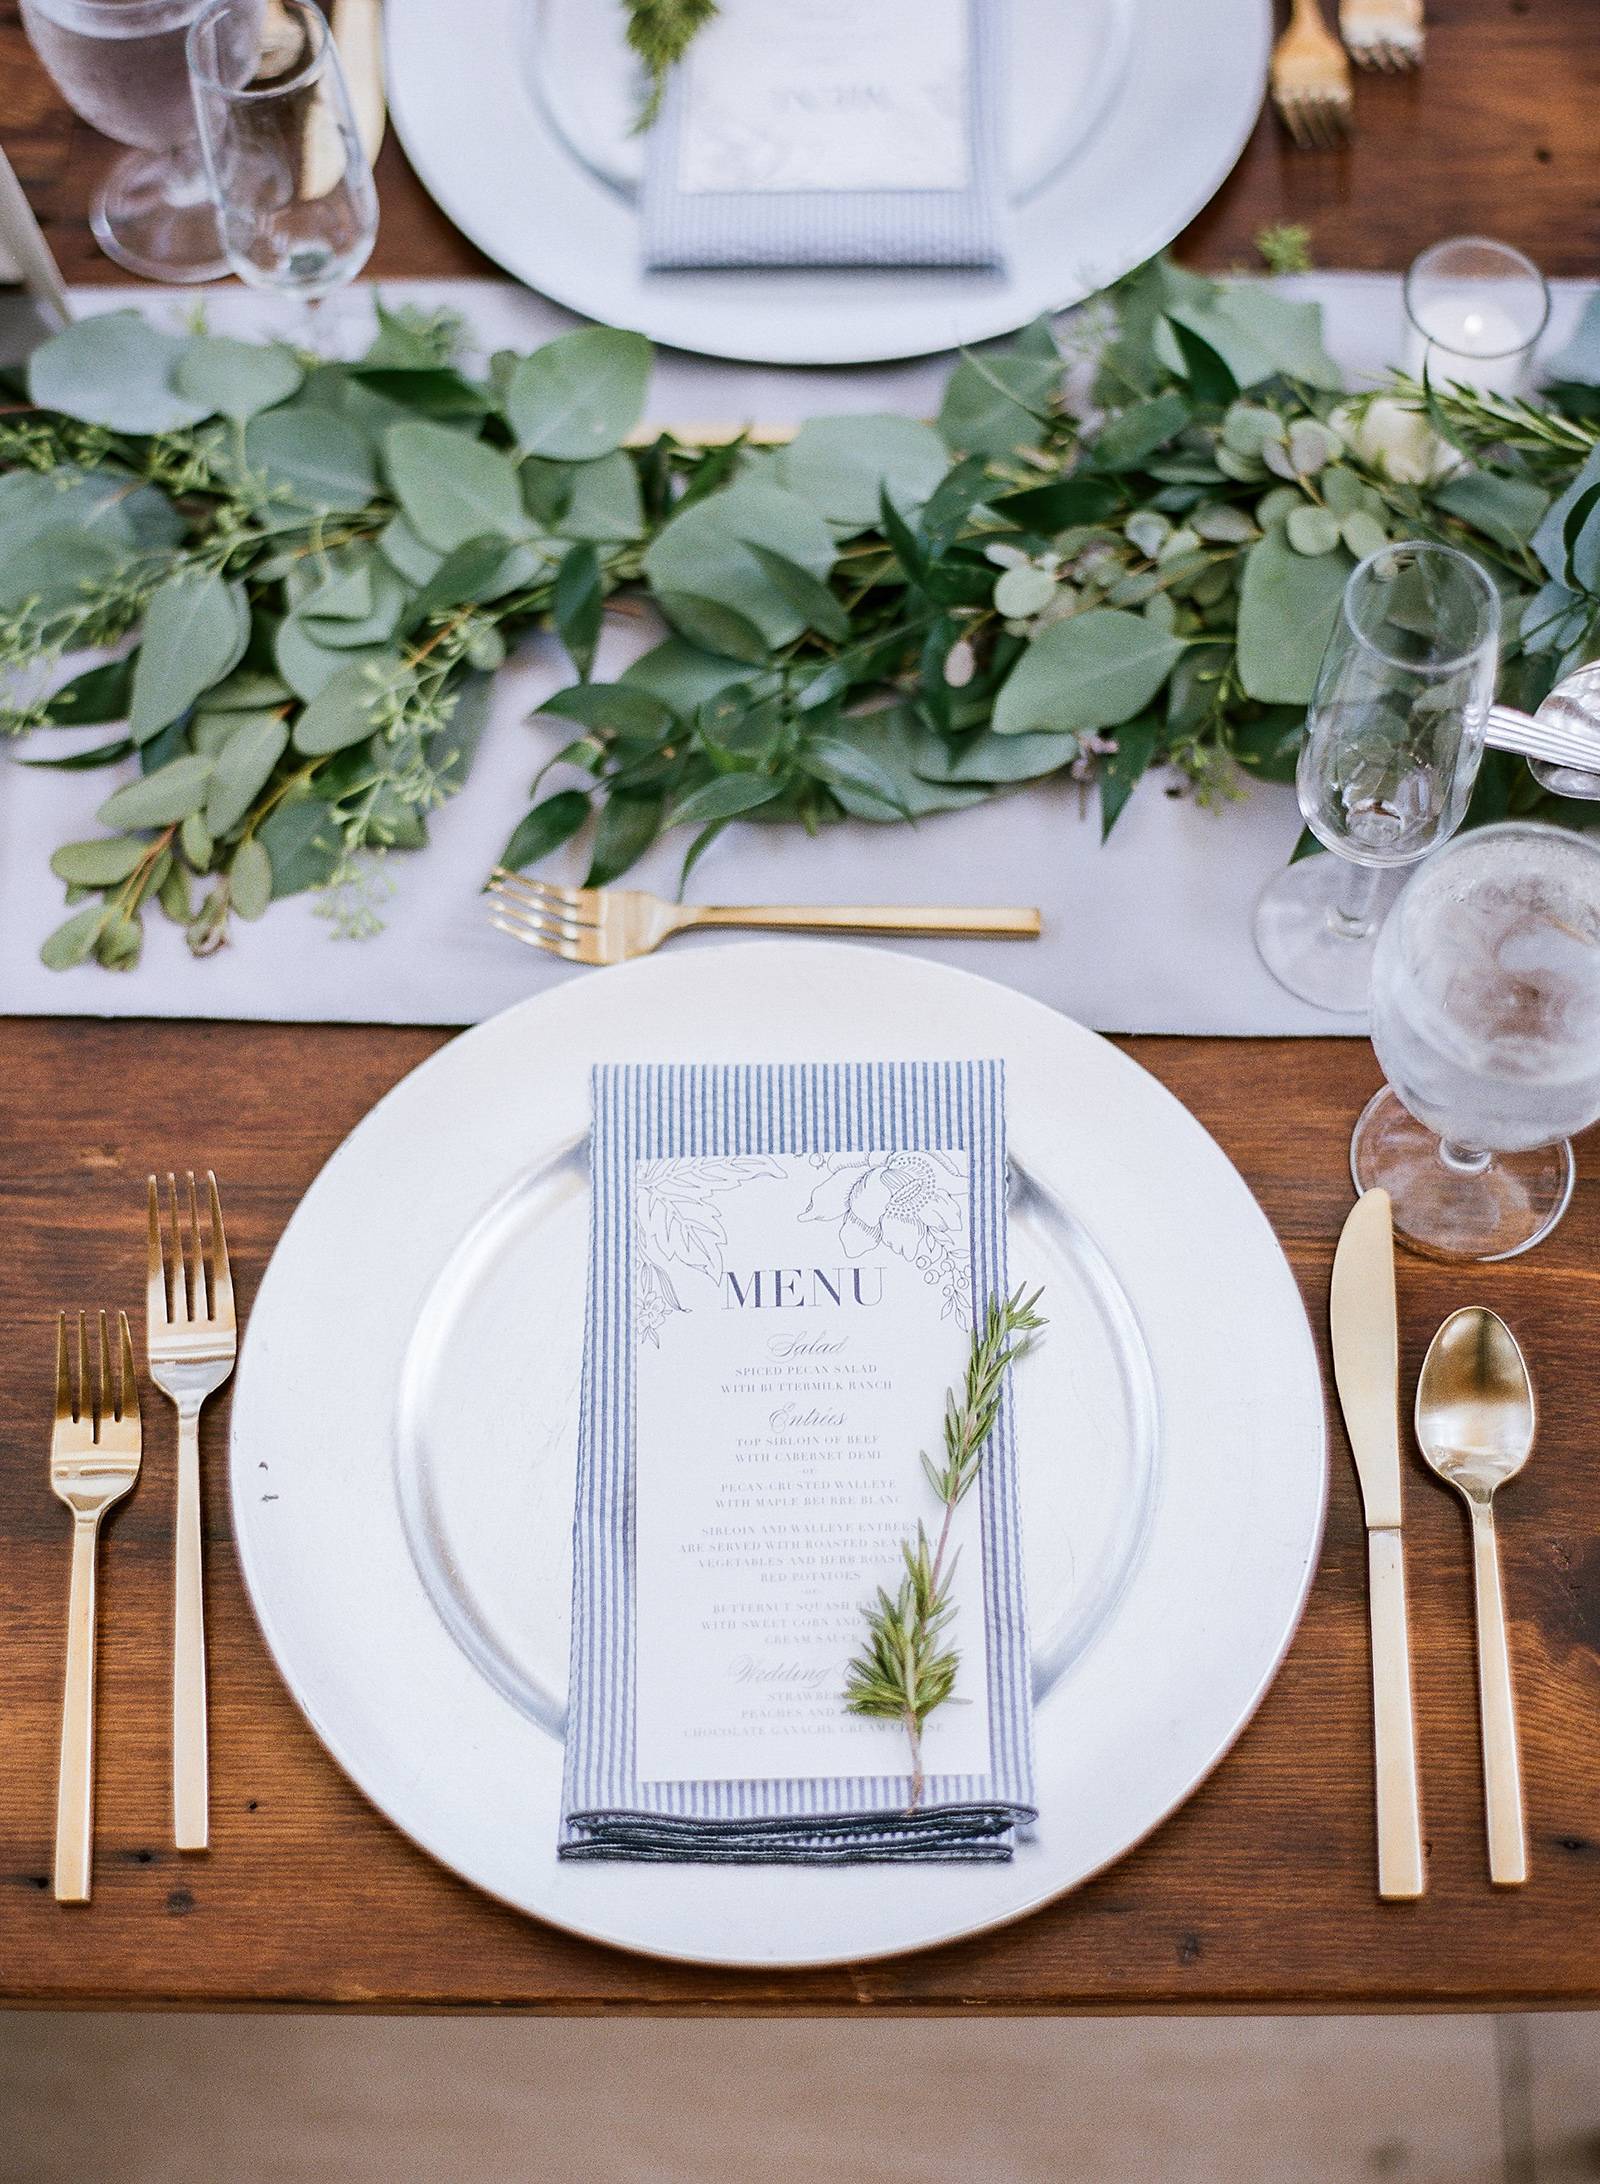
{"x": 725, "y": 962}
{"x": 1251, "y": 23}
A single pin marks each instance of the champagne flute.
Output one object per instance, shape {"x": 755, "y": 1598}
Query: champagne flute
{"x": 1486, "y": 1018}
{"x": 121, "y": 65}
{"x": 1393, "y": 738}
{"x": 295, "y": 200}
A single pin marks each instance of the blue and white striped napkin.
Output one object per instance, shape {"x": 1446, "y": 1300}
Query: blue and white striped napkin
{"x": 831, "y": 133}
{"x": 902, "y": 1167}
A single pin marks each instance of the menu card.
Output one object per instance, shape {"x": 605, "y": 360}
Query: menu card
{"x": 785, "y": 1267}
{"x": 825, "y": 132}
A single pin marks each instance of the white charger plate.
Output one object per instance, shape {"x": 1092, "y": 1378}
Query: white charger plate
{"x": 1123, "y": 118}
{"x": 404, "y": 1429}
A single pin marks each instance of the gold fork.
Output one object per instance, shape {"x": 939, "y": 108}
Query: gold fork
{"x": 1386, "y": 34}
{"x": 613, "y": 924}
{"x": 94, "y": 1460}
{"x": 1311, "y": 78}
{"x": 190, "y": 1343}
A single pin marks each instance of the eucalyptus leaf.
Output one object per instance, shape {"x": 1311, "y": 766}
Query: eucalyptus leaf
{"x": 98, "y": 695}
{"x": 99, "y": 863}
{"x": 704, "y": 554}
{"x": 195, "y": 631}
{"x": 1288, "y": 604}
{"x": 683, "y": 675}
{"x": 903, "y": 748}
{"x": 724, "y": 798}
{"x": 250, "y": 886}
{"x": 341, "y": 712}
{"x": 580, "y": 395}
{"x": 598, "y": 501}
{"x": 627, "y": 827}
{"x": 243, "y": 768}
{"x": 1123, "y": 769}
{"x": 452, "y": 488}
{"x": 311, "y": 457}
{"x": 619, "y": 709}
{"x": 74, "y": 942}
{"x": 1312, "y": 530}
{"x": 113, "y": 369}
{"x": 545, "y": 828}
{"x": 1091, "y": 672}
{"x": 159, "y": 799}
{"x": 236, "y": 378}
{"x": 994, "y": 403}
{"x": 301, "y": 840}
{"x": 716, "y": 627}
{"x": 805, "y": 594}
{"x": 841, "y": 465}
{"x": 578, "y": 603}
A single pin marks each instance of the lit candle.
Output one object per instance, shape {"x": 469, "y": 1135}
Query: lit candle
{"x": 1474, "y": 311}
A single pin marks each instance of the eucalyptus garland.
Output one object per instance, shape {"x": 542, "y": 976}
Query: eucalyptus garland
{"x": 1093, "y": 562}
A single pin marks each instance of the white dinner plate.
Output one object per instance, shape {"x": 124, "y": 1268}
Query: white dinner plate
{"x": 1122, "y": 119}
{"x": 404, "y": 1442}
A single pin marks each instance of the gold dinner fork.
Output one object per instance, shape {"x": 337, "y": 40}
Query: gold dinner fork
{"x": 190, "y": 1342}
{"x": 613, "y": 924}
{"x": 94, "y": 1460}
{"x": 1311, "y": 78}
{"x": 1386, "y": 34}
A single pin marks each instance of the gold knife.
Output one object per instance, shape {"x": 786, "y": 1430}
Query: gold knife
{"x": 1366, "y": 1368}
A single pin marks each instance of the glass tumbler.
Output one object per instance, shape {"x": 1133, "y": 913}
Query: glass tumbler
{"x": 294, "y": 194}
{"x": 1486, "y": 1018}
{"x": 121, "y": 65}
{"x": 1393, "y": 738}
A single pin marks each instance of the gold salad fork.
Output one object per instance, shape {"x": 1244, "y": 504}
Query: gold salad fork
{"x": 94, "y": 1460}
{"x": 1385, "y": 34}
{"x": 613, "y": 924}
{"x": 1311, "y": 78}
{"x": 190, "y": 1337}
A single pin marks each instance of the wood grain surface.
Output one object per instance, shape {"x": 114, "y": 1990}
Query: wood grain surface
{"x": 1259, "y": 1894}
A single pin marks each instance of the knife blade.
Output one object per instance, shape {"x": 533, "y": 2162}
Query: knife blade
{"x": 1366, "y": 1369}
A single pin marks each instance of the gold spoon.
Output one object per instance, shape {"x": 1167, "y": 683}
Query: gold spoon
{"x": 1475, "y": 1424}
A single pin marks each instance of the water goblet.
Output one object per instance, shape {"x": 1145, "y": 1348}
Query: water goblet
{"x": 294, "y": 194}
{"x": 1393, "y": 738}
{"x": 1486, "y": 1018}
{"x": 121, "y": 65}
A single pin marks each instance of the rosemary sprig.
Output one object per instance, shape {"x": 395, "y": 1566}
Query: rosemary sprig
{"x": 661, "y": 32}
{"x": 907, "y": 1668}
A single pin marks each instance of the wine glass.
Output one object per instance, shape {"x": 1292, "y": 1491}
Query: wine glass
{"x": 1486, "y": 1018}
{"x": 1393, "y": 739}
{"x": 293, "y": 190}
{"x": 121, "y": 65}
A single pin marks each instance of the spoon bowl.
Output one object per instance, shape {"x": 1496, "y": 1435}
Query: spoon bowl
{"x": 1475, "y": 1412}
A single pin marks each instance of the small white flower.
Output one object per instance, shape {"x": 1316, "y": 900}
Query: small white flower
{"x": 1397, "y": 440}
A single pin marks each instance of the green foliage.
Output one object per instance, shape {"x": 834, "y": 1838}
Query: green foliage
{"x": 310, "y": 572}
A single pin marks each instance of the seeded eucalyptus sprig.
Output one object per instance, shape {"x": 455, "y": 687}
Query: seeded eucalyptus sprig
{"x": 907, "y": 1667}
{"x": 309, "y": 572}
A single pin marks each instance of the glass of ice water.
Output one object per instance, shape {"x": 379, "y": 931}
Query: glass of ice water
{"x": 1393, "y": 739}
{"x": 293, "y": 190}
{"x": 120, "y": 64}
{"x": 1486, "y": 1018}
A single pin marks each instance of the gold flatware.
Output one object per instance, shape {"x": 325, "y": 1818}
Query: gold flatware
{"x": 613, "y": 924}
{"x": 94, "y": 1460}
{"x": 190, "y": 1340}
{"x": 357, "y": 27}
{"x": 1310, "y": 79}
{"x": 1366, "y": 1369}
{"x": 1475, "y": 1425}
{"x": 1387, "y": 34}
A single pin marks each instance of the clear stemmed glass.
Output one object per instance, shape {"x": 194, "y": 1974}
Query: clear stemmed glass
{"x": 1393, "y": 739}
{"x": 294, "y": 193}
{"x": 120, "y": 64}
{"x": 1486, "y": 1018}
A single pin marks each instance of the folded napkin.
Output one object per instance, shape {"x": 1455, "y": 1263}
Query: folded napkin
{"x": 785, "y": 1265}
{"x": 828, "y": 132}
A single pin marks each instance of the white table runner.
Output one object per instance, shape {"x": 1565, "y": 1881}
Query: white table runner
{"x": 1149, "y": 933}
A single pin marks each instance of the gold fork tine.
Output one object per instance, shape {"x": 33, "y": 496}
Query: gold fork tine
{"x": 575, "y": 905}
{"x": 63, "y": 1383}
{"x": 83, "y": 1407}
{"x": 554, "y": 922}
{"x": 570, "y": 898}
{"x": 155, "y": 1282}
{"x": 127, "y": 1374}
{"x": 106, "y": 1407}
{"x": 202, "y": 1303}
{"x": 566, "y": 949}
{"x": 180, "y": 1280}
{"x": 221, "y": 1265}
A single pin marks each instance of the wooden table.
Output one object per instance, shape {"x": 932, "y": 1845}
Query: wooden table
{"x": 1259, "y": 1894}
